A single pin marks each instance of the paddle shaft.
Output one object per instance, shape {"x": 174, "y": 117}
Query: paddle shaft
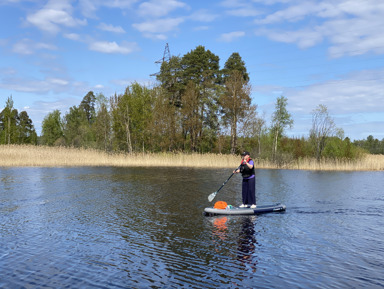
{"x": 227, "y": 180}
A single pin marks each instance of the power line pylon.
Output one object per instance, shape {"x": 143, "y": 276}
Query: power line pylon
{"x": 166, "y": 57}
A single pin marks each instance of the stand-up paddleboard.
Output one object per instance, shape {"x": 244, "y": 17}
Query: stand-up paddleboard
{"x": 245, "y": 211}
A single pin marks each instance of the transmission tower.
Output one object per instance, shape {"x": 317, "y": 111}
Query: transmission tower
{"x": 166, "y": 57}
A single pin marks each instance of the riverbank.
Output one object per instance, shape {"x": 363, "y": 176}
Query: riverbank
{"x": 42, "y": 156}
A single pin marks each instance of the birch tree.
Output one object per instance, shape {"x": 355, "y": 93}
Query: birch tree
{"x": 323, "y": 127}
{"x": 281, "y": 119}
{"x": 8, "y": 123}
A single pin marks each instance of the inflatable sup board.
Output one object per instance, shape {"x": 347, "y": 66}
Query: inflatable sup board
{"x": 245, "y": 211}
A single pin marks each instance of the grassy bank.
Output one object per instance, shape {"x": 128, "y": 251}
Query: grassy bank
{"x": 40, "y": 156}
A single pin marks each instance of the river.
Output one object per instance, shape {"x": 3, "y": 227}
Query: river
{"x": 96, "y": 227}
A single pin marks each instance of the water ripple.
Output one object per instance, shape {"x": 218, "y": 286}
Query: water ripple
{"x": 137, "y": 228}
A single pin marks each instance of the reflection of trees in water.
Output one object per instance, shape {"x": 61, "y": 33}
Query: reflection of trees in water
{"x": 247, "y": 242}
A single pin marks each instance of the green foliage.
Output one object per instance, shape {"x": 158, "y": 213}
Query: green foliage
{"x": 131, "y": 115}
{"x": 16, "y": 128}
{"x": 235, "y": 101}
{"x": 235, "y": 63}
{"x": 88, "y": 105}
{"x": 371, "y": 144}
{"x": 281, "y": 119}
{"x": 193, "y": 78}
{"x": 102, "y": 124}
{"x": 26, "y": 130}
{"x": 8, "y": 123}
{"x": 323, "y": 128}
{"x": 52, "y": 129}
{"x": 165, "y": 127}
{"x": 337, "y": 148}
{"x": 171, "y": 80}
{"x": 76, "y": 128}
{"x": 195, "y": 107}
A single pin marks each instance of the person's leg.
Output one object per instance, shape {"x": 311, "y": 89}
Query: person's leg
{"x": 252, "y": 191}
{"x": 245, "y": 192}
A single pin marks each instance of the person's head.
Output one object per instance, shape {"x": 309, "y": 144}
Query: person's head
{"x": 245, "y": 155}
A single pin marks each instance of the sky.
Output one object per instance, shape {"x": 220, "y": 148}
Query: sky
{"x": 329, "y": 52}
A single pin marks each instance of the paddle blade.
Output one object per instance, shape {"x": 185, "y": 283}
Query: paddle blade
{"x": 212, "y": 196}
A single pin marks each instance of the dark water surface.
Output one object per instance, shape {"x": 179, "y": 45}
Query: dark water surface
{"x": 144, "y": 228}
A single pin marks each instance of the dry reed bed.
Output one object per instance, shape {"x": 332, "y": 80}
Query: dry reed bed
{"x": 41, "y": 156}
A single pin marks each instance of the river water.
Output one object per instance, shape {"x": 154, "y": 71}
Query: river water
{"x": 144, "y": 228}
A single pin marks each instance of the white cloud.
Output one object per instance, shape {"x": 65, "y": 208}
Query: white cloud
{"x": 240, "y": 8}
{"x": 53, "y": 16}
{"x": 122, "y": 4}
{"x": 46, "y": 85}
{"x": 28, "y": 47}
{"x": 89, "y": 7}
{"x": 7, "y": 71}
{"x": 113, "y": 47}
{"x": 158, "y": 27}
{"x": 292, "y": 13}
{"x": 58, "y": 81}
{"x": 201, "y": 28}
{"x": 360, "y": 92}
{"x": 350, "y": 27}
{"x": 111, "y": 28}
{"x": 159, "y": 8}
{"x": 231, "y": 36}
{"x": 203, "y": 16}
{"x": 355, "y": 101}
{"x": 72, "y": 36}
{"x": 303, "y": 38}
{"x": 244, "y": 12}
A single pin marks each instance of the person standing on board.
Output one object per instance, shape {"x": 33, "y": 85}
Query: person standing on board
{"x": 247, "y": 170}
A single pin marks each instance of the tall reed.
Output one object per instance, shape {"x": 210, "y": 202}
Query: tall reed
{"x": 43, "y": 156}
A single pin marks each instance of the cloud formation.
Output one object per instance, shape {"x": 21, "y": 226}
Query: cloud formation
{"x": 231, "y": 36}
{"x": 111, "y": 28}
{"x": 29, "y": 47}
{"x": 32, "y": 85}
{"x": 156, "y": 8}
{"x": 351, "y": 27}
{"x": 159, "y": 27}
{"x": 53, "y": 16}
{"x": 113, "y": 47}
{"x": 359, "y": 92}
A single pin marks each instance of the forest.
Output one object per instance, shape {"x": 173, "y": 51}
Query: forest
{"x": 195, "y": 106}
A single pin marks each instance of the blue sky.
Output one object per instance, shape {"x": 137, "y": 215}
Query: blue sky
{"x": 328, "y": 52}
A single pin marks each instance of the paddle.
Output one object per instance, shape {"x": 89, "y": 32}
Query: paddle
{"x": 213, "y": 195}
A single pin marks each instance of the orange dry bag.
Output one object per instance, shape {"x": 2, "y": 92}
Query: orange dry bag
{"x": 220, "y": 205}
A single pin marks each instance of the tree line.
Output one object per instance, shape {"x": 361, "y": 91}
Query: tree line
{"x": 15, "y": 127}
{"x": 371, "y": 144}
{"x": 196, "y": 106}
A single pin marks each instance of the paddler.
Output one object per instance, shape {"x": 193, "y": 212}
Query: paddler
{"x": 247, "y": 170}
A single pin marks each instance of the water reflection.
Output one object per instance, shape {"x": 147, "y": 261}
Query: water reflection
{"x": 223, "y": 231}
{"x": 220, "y": 227}
{"x": 142, "y": 228}
{"x": 247, "y": 243}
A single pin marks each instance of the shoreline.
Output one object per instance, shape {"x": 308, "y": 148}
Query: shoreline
{"x": 43, "y": 156}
